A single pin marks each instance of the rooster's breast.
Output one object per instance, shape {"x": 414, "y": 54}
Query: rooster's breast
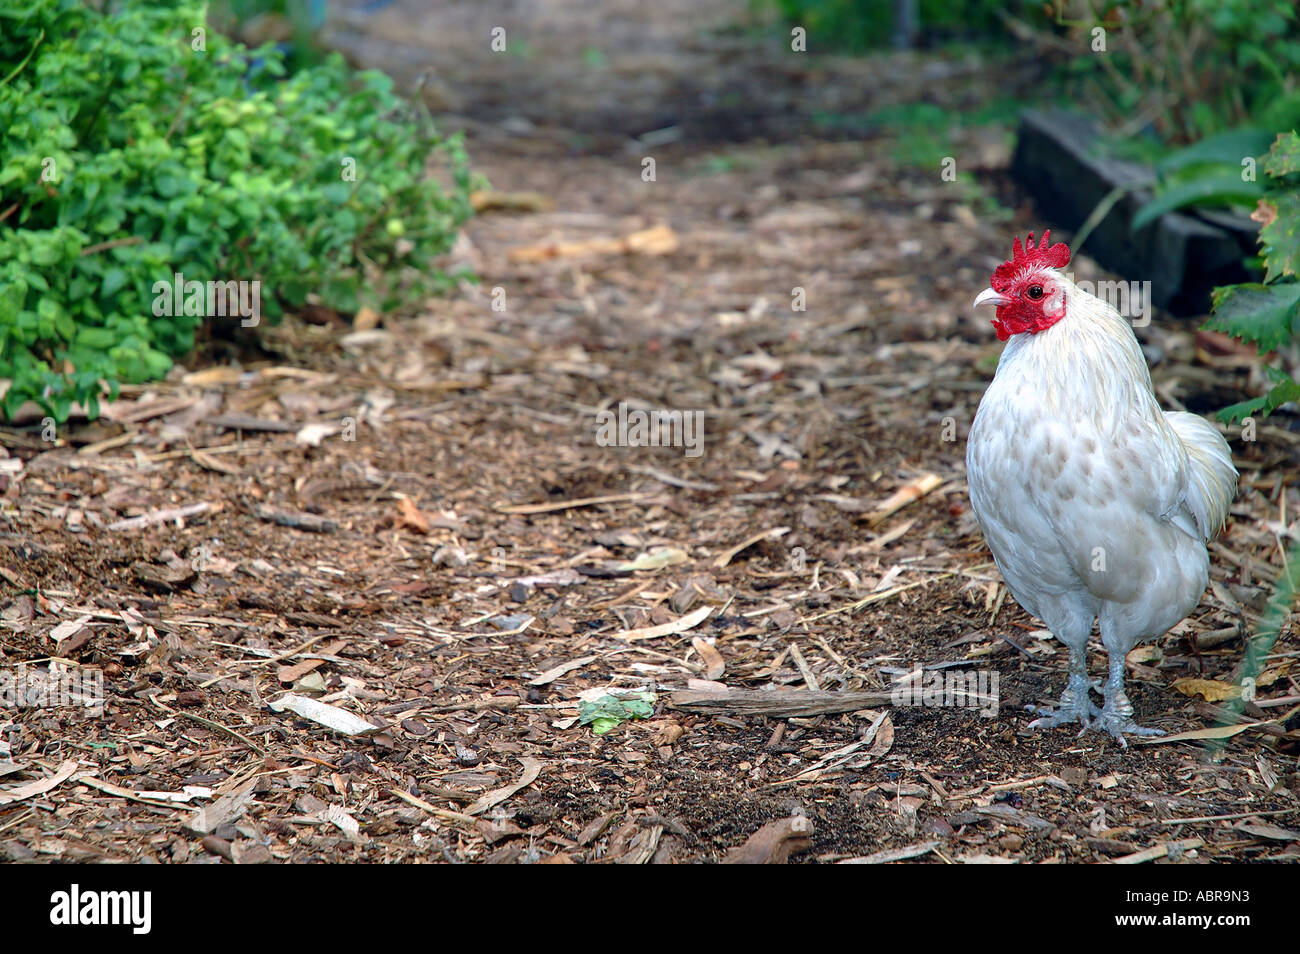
{"x": 1002, "y": 462}
{"x": 1066, "y": 504}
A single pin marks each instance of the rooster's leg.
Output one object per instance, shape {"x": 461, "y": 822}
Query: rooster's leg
{"x": 1116, "y": 715}
{"x": 1075, "y": 706}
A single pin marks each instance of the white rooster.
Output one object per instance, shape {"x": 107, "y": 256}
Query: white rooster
{"x": 1095, "y": 503}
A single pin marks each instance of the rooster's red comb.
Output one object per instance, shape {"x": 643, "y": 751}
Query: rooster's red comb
{"x": 1043, "y": 254}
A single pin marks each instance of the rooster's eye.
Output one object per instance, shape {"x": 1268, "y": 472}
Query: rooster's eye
{"x": 1035, "y": 292}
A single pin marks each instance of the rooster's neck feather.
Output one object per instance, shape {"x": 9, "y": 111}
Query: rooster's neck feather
{"x": 1087, "y": 363}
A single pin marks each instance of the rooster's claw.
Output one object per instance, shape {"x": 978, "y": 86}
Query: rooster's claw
{"x": 1075, "y": 706}
{"x": 1063, "y": 715}
{"x": 1118, "y": 725}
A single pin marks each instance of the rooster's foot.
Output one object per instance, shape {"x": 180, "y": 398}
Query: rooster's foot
{"x": 1118, "y": 723}
{"x": 1075, "y": 706}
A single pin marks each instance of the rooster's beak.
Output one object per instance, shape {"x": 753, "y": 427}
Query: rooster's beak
{"x": 989, "y": 297}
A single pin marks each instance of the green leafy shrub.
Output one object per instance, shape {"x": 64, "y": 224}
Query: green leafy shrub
{"x": 137, "y": 144}
{"x": 1268, "y": 314}
{"x": 855, "y": 26}
{"x": 1190, "y": 68}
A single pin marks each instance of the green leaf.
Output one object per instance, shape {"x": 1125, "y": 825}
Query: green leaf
{"x": 1228, "y": 148}
{"x": 46, "y": 253}
{"x": 94, "y": 339}
{"x": 610, "y": 711}
{"x": 114, "y": 280}
{"x": 1242, "y": 410}
{"x": 1283, "y": 393}
{"x": 1264, "y": 315}
{"x": 1280, "y": 239}
{"x": 1212, "y": 189}
{"x": 1284, "y": 158}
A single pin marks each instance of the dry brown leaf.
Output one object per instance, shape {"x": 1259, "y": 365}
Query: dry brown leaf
{"x": 322, "y": 713}
{"x": 226, "y": 808}
{"x": 489, "y": 200}
{"x": 1265, "y": 213}
{"x": 291, "y": 674}
{"x": 40, "y": 786}
{"x": 1207, "y": 689}
{"x": 748, "y": 542}
{"x": 1198, "y": 735}
{"x": 532, "y": 769}
{"x": 409, "y": 516}
{"x": 905, "y": 495}
{"x": 554, "y": 673}
{"x": 366, "y": 319}
{"x": 668, "y": 732}
{"x": 689, "y": 621}
{"x": 884, "y": 738}
{"x": 1257, "y": 829}
{"x": 893, "y": 854}
{"x": 714, "y": 665}
{"x": 773, "y": 843}
{"x": 656, "y": 240}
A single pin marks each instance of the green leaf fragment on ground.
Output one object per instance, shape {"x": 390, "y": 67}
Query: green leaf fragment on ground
{"x": 610, "y": 711}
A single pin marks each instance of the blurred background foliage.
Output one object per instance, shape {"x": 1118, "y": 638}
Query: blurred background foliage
{"x": 1173, "y": 71}
{"x": 860, "y": 26}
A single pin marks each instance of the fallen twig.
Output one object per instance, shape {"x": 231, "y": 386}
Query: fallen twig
{"x": 1159, "y": 851}
{"x": 160, "y": 516}
{"x": 779, "y": 703}
{"x": 745, "y": 544}
{"x": 296, "y": 520}
{"x": 893, "y": 854}
{"x": 905, "y": 495}
{"x": 571, "y": 504}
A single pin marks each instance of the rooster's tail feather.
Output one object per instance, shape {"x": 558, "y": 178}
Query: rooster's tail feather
{"x": 1212, "y": 480}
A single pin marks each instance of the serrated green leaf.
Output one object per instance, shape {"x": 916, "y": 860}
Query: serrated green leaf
{"x": 1261, "y": 314}
{"x": 1284, "y": 158}
{"x": 1280, "y": 239}
{"x": 1242, "y": 410}
{"x": 1283, "y": 393}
